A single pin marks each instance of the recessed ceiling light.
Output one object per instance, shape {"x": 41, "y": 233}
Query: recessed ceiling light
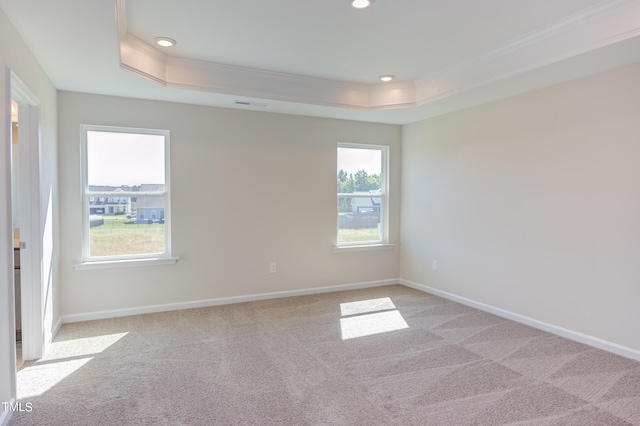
{"x": 387, "y": 77}
{"x": 361, "y": 4}
{"x": 165, "y": 41}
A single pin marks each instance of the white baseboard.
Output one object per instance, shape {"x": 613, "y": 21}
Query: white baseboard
{"x": 55, "y": 329}
{"x": 5, "y": 415}
{"x": 550, "y": 328}
{"x": 51, "y": 337}
{"x": 221, "y": 301}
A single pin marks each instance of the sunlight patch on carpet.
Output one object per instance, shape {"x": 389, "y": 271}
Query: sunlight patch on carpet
{"x": 81, "y": 347}
{"x": 63, "y": 358}
{"x": 39, "y": 378}
{"x": 365, "y": 306}
{"x": 369, "y": 317}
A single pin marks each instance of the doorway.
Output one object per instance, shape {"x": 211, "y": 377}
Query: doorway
{"x": 25, "y": 197}
{"x": 15, "y": 219}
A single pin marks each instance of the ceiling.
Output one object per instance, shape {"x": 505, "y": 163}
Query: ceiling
{"x": 324, "y": 58}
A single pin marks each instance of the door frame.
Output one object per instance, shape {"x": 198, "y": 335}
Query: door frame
{"x": 31, "y": 276}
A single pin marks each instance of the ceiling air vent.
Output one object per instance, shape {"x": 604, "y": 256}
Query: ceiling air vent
{"x": 255, "y": 104}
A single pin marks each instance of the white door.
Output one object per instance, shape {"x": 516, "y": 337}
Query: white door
{"x": 28, "y": 197}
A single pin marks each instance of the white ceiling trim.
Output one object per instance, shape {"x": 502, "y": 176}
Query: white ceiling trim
{"x": 604, "y": 24}
{"x": 599, "y": 26}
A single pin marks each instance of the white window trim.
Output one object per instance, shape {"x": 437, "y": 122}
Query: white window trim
{"x": 362, "y": 247}
{"x": 128, "y": 263}
{"x": 164, "y": 258}
{"x": 383, "y": 243}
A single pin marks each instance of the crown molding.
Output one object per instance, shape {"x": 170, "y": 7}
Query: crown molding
{"x": 603, "y": 24}
{"x": 121, "y": 18}
{"x": 205, "y": 76}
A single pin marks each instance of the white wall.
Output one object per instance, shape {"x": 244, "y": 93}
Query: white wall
{"x": 248, "y": 188}
{"x": 532, "y": 205}
{"x": 14, "y": 55}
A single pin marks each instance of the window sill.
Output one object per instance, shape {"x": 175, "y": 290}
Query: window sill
{"x": 362, "y": 247}
{"x": 128, "y": 263}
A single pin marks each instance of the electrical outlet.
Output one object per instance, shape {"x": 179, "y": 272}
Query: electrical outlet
{"x": 272, "y": 268}
{"x": 434, "y": 265}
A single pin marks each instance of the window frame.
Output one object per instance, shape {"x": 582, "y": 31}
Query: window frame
{"x": 132, "y": 259}
{"x": 384, "y": 199}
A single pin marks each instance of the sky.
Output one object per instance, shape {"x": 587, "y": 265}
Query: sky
{"x": 117, "y": 159}
{"x": 352, "y": 160}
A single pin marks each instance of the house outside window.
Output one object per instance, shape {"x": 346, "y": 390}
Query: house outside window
{"x": 147, "y": 207}
{"x": 125, "y": 175}
{"x": 362, "y": 189}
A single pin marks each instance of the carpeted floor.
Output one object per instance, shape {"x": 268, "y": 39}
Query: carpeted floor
{"x": 381, "y": 356}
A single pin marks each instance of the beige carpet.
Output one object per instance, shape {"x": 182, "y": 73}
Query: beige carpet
{"x": 382, "y": 356}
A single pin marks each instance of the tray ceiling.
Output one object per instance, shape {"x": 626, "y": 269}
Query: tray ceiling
{"x": 324, "y": 58}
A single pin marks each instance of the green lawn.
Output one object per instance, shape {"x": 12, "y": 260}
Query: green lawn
{"x": 358, "y": 235}
{"x": 119, "y": 236}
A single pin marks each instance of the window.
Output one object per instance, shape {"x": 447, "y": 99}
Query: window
{"x": 125, "y": 180}
{"x": 362, "y": 195}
